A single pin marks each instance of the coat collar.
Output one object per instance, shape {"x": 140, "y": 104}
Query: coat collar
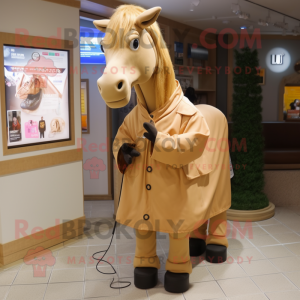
{"x": 162, "y": 111}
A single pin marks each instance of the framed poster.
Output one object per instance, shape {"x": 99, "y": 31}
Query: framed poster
{"x": 37, "y": 107}
{"x": 262, "y": 76}
{"x": 84, "y": 103}
{"x": 291, "y": 103}
{"x": 185, "y": 81}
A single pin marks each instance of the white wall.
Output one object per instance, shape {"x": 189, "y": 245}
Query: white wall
{"x": 42, "y": 195}
{"x": 270, "y": 91}
{"x": 98, "y": 133}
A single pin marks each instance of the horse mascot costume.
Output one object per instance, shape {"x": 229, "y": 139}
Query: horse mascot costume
{"x": 174, "y": 155}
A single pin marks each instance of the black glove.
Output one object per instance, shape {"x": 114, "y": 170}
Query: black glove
{"x": 128, "y": 153}
{"x": 151, "y": 132}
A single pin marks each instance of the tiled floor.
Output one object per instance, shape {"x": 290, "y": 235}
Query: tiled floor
{"x": 263, "y": 263}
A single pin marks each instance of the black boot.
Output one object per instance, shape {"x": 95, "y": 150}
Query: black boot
{"x": 33, "y": 101}
{"x": 216, "y": 254}
{"x": 176, "y": 282}
{"x": 145, "y": 278}
{"x": 197, "y": 247}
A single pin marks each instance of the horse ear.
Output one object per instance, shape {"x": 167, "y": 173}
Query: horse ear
{"x": 101, "y": 24}
{"x": 148, "y": 17}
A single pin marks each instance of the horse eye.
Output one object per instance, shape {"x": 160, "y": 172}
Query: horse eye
{"x": 102, "y": 49}
{"x": 134, "y": 44}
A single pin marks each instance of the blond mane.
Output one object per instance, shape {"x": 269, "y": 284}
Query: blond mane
{"x": 121, "y": 22}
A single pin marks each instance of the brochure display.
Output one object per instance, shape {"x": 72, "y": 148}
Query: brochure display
{"x": 37, "y": 107}
{"x": 36, "y": 95}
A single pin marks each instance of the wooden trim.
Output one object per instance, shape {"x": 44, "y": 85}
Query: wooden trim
{"x": 282, "y": 167}
{"x": 31, "y": 163}
{"x": 71, "y": 3}
{"x": 10, "y": 38}
{"x": 109, "y": 152}
{"x": 90, "y": 15}
{"x": 87, "y": 106}
{"x": 47, "y": 238}
{"x": 279, "y": 37}
{"x": 97, "y": 197}
{"x": 229, "y": 80}
{"x": 251, "y": 215}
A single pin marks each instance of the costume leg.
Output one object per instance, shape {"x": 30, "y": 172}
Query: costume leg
{"x": 217, "y": 230}
{"x": 145, "y": 250}
{"x": 217, "y": 243}
{"x": 179, "y": 256}
{"x": 197, "y": 240}
{"x": 178, "y": 265}
{"x": 146, "y": 262}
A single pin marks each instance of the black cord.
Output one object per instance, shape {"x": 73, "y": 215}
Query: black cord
{"x": 101, "y": 259}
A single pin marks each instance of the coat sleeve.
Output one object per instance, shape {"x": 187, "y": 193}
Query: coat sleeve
{"x": 123, "y": 136}
{"x": 181, "y": 149}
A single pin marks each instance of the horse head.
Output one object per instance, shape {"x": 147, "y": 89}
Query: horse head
{"x": 130, "y": 52}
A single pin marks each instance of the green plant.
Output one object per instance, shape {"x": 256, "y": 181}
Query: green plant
{"x": 248, "y": 161}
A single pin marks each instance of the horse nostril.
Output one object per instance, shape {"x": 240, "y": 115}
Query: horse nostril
{"x": 120, "y": 85}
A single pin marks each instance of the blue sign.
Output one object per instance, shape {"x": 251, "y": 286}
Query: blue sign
{"x": 90, "y": 51}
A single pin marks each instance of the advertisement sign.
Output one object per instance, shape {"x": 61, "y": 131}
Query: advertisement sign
{"x": 291, "y": 105}
{"x": 90, "y": 50}
{"x": 36, "y": 95}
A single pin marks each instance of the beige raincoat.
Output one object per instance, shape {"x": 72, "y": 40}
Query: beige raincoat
{"x": 184, "y": 179}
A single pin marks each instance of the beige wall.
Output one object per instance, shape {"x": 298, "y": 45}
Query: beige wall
{"x": 98, "y": 133}
{"x": 43, "y": 195}
{"x": 282, "y": 187}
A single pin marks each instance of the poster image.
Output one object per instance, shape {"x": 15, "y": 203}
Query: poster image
{"x": 84, "y": 106}
{"x": 291, "y": 105}
{"x": 37, "y": 90}
{"x": 14, "y": 126}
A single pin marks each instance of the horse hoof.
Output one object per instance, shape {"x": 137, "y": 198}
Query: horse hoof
{"x": 216, "y": 254}
{"x": 176, "y": 282}
{"x": 145, "y": 278}
{"x": 197, "y": 247}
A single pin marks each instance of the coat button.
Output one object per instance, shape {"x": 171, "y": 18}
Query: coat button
{"x": 149, "y": 169}
{"x": 146, "y": 217}
{"x": 148, "y": 187}
{"x": 151, "y": 116}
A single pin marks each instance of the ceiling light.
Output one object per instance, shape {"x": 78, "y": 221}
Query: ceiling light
{"x": 193, "y": 4}
{"x": 243, "y": 27}
{"x": 268, "y": 20}
{"x": 235, "y": 8}
{"x": 296, "y": 31}
{"x": 244, "y": 16}
{"x": 263, "y": 23}
{"x": 281, "y": 25}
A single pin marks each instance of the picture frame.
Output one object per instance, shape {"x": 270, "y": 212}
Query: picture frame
{"x": 262, "y": 75}
{"x": 9, "y": 40}
{"x": 84, "y": 104}
{"x": 185, "y": 81}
